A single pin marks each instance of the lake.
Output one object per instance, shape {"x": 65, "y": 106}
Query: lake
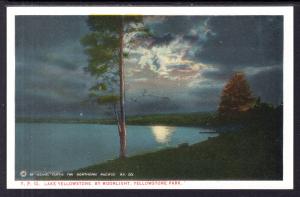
{"x": 63, "y": 147}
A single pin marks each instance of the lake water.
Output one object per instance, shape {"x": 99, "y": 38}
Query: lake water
{"x": 63, "y": 147}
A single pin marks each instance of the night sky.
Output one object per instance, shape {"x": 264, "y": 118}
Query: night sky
{"x": 181, "y": 68}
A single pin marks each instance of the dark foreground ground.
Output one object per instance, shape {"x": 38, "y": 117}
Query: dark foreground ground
{"x": 246, "y": 155}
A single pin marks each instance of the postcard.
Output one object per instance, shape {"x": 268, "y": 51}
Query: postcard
{"x": 150, "y": 97}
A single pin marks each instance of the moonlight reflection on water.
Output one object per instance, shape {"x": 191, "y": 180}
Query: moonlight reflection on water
{"x": 162, "y": 134}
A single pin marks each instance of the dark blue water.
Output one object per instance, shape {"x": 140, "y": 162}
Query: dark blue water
{"x": 62, "y": 147}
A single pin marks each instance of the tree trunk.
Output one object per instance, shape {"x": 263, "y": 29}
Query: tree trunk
{"x": 122, "y": 127}
{"x": 117, "y": 117}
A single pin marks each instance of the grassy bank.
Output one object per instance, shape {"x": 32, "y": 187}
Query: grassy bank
{"x": 249, "y": 154}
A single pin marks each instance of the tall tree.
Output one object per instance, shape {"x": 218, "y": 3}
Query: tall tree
{"x": 105, "y": 46}
{"x": 236, "y": 95}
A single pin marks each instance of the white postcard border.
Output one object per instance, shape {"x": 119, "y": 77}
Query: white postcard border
{"x": 288, "y": 84}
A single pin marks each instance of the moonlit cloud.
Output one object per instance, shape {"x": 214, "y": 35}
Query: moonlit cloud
{"x": 256, "y": 70}
{"x": 167, "y": 61}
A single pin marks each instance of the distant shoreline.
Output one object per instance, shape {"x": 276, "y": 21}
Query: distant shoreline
{"x": 77, "y": 121}
{"x": 189, "y": 119}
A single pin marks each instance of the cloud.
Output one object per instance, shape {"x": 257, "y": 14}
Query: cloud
{"x": 202, "y": 56}
{"x": 177, "y": 25}
{"x": 268, "y": 85}
{"x": 48, "y": 31}
{"x": 217, "y": 73}
{"x": 150, "y": 105}
{"x": 49, "y": 64}
{"x": 161, "y": 40}
{"x": 167, "y": 61}
{"x": 243, "y": 41}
